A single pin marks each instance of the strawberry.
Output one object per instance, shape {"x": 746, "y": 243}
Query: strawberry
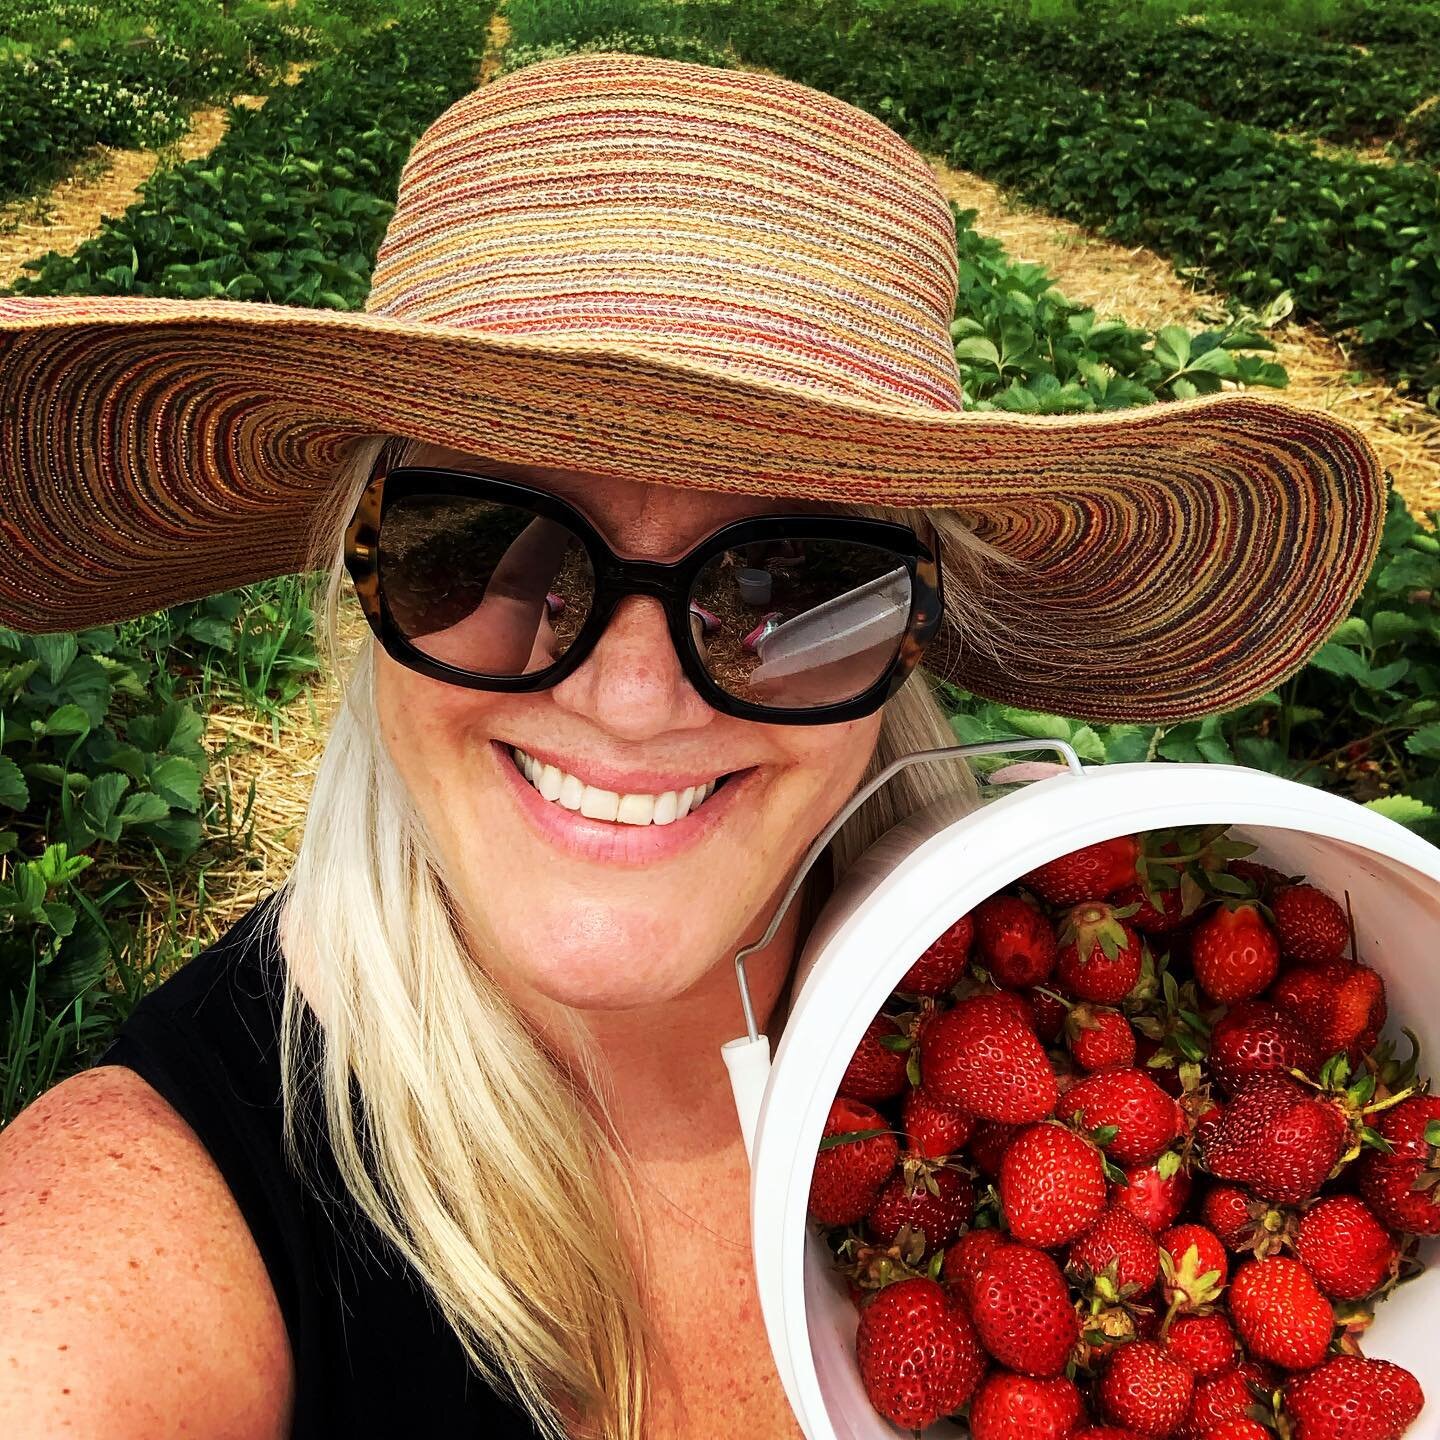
{"x": 934, "y": 1130}
{"x": 1221, "y": 1398}
{"x": 1240, "y": 1428}
{"x": 1047, "y": 1014}
{"x": 1349, "y": 1398}
{"x": 1157, "y": 912}
{"x": 1403, "y": 1187}
{"x": 1195, "y": 1267}
{"x": 907, "y": 1199}
{"x": 1312, "y": 927}
{"x": 1020, "y": 1407}
{"x": 1100, "y": 1039}
{"x": 848, "y": 1176}
{"x": 1145, "y": 1118}
{"x": 1146, "y": 1388}
{"x": 1022, "y": 1311}
{"x": 1257, "y": 1038}
{"x": 1092, "y": 873}
{"x": 988, "y": 1146}
{"x": 980, "y": 1058}
{"x": 1155, "y": 1200}
{"x": 1052, "y": 1185}
{"x": 1345, "y": 1247}
{"x": 1342, "y": 1006}
{"x": 965, "y": 1259}
{"x": 1101, "y": 956}
{"x": 918, "y": 1352}
{"x": 1119, "y": 1252}
{"x": 1234, "y": 953}
{"x": 1206, "y": 1343}
{"x": 1280, "y": 1313}
{"x": 1016, "y": 941}
{"x": 1278, "y": 1139}
{"x": 876, "y": 1070}
{"x": 942, "y": 962}
{"x": 1226, "y": 1210}
{"x": 1105, "y": 1432}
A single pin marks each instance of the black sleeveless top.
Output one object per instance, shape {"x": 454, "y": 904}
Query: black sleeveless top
{"x": 373, "y": 1355}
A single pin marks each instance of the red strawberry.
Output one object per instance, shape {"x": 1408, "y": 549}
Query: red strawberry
{"x": 1312, "y": 927}
{"x": 965, "y": 1259}
{"x": 1016, "y": 941}
{"x": 1052, "y": 1185}
{"x": 1234, "y": 953}
{"x": 907, "y": 1199}
{"x": 1240, "y": 1428}
{"x": 1348, "y": 1251}
{"x": 980, "y": 1058}
{"x": 1155, "y": 1200}
{"x": 943, "y": 961}
{"x": 1092, "y": 873}
{"x": 932, "y": 1130}
{"x": 1349, "y": 1398}
{"x": 1342, "y": 1006}
{"x": 1403, "y": 1188}
{"x": 1232, "y": 1214}
{"x": 1100, "y": 1039}
{"x": 1150, "y": 918}
{"x": 1146, "y": 1388}
{"x": 1280, "y": 1314}
{"x": 1194, "y": 1264}
{"x": 1278, "y": 1139}
{"x": 1047, "y": 1013}
{"x": 1145, "y": 1117}
{"x": 1117, "y": 1249}
{"x": 1257, "y": 1038}
{"x": 1206, "y": 1343}
{"x": 988, "y": 1146}
{"x": 1223, "y": 1397}
{"x": 1101, "y": 956}
{"x": 876, "y": 1072}
{"x": 1022, "y": 1311}
{"x": 848, "y": 1177}
{"x": 919, "y": 1355}
{"x": 1105, "y": 1432}
{"x": 1020, "y": 1407}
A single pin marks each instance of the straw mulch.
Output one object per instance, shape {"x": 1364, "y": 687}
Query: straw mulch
{"x": 104, "y": 182}
{"x": 1141, "y": 288}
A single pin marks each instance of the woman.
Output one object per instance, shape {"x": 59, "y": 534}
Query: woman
{"x": 624, "y": 307}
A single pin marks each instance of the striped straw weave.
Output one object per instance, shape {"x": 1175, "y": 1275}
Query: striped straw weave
{"x": 692, "y": 276}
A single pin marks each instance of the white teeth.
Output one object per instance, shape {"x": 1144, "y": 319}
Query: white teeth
{"x": 562, "y": 788}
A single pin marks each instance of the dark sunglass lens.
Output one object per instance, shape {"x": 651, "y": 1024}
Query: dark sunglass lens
{"x": 801, "y": 623}
{"x": 494, "y": 589}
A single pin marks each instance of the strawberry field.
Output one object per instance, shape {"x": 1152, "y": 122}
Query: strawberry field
{"x": 1291, "y": 181}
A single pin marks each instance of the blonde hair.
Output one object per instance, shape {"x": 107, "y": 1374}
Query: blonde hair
{"x": 454, "y": 1087}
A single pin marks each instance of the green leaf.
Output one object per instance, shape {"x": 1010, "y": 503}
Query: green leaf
{"x": 14, "y": 792}
{"x": 1425, "y": 741}
{"x": 1403, "y": 808}
{"x": 142, "y": 808}
{"x": 177, "y": 781}
{"x": 978, "y": 348}
{"x": 67, "y": 720}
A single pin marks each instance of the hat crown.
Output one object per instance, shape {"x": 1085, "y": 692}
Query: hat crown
{"x": 738, "y": 220}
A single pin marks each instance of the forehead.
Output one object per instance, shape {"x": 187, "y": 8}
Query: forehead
{"x": 619, "y": 505}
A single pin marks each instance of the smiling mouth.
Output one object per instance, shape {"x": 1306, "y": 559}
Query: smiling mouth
{"x": 571, "y": 793}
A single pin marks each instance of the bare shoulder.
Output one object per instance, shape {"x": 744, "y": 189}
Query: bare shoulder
{"x": 133, "y": 1301}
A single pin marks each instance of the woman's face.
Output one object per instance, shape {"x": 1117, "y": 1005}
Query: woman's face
{"x": 603, "y": 914}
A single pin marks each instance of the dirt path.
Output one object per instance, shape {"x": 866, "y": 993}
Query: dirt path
{"x": 1141, "y": 288}
{"x": 104, "y": 182}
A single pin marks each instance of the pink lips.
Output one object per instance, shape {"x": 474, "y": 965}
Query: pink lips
{"x": 610, "y": 842}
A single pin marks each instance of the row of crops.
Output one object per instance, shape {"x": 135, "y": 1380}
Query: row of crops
{"x": 103, "y": 771}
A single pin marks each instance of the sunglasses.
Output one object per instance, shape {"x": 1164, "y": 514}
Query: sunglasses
{"x": 786, "y": 619}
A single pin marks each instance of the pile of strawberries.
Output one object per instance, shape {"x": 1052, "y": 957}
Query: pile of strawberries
{"x": 1124, "y": 1156}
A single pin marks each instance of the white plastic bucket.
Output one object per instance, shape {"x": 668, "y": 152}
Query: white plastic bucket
{"x": 913, "y": 883}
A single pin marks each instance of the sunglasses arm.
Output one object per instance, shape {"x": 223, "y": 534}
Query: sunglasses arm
{"x": 748, "y": 1058}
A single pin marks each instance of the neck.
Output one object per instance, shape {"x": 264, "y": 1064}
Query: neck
{"x": 669, "y": 1094}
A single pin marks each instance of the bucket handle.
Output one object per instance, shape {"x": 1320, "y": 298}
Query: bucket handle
{"x": 942, "y": 753}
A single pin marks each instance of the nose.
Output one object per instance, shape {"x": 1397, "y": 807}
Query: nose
{"x": 631, "y": 684}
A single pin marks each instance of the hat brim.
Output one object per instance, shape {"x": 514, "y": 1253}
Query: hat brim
{"x": 1175, "y": 559}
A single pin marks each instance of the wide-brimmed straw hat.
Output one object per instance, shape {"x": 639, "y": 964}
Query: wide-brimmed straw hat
{"x": 694, "y": 276}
